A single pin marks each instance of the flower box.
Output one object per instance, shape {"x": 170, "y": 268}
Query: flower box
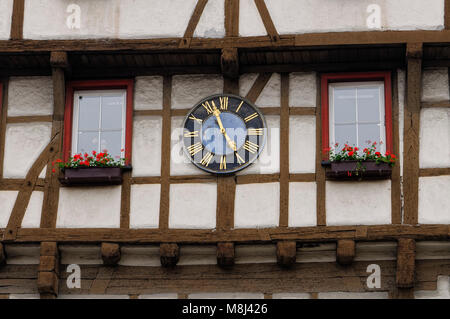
{"x": 92, "y": 176}
{"x": 356, "y": 170}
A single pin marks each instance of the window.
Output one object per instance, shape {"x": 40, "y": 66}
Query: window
{"x": 98, "y": 116}
{"x": 356, "y": 109}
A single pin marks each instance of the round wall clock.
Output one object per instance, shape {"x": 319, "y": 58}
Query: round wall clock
{"x": 224, "y": 134}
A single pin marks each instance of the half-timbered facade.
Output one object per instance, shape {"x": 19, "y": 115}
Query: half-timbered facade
{"x": 85, "y": 75}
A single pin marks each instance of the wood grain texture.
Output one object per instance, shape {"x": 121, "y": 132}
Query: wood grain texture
{"x": 284, "y": 151}
{"x": 17, "y": 20}
{"x": 444, "y": 104}
{"x": 396, "y": 200}
{"x": 165, "y": 154}
{"x": 447, "y": 14}
{"x": 320, "y": 171}
{"x": 29, "y": 119}
{"x": 295, "y": 110}
{"x": 193, "y": 21}
{"x": 345, "y": 251}
{"x": 2, "y": 255}
{"x": 406, "y": 255}
{"x": 231, "y": 18}
{"x": 411, "y": 133}
{"x": 441, "y": 171}
{"x": 286, "y": 253}
{"x": 229, "y": 62}
{"x": 225, "y": 254}
{"x": 3, "y": 119}
{"x": 169, "y": 254}
{"x": 267, "y": 20}
{"x": 110, "y": 253}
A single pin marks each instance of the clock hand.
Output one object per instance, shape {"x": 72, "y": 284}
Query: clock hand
{"x": 216, "y": 113}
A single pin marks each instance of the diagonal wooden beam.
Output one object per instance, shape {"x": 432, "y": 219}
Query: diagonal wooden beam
{"x": 193, "y": 21}
{"x": 17, "y": 20}
{"x": 267, "y": 20}
{"x": 258, "y": 87}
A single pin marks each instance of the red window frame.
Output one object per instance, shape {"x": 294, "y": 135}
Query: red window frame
{"x": 72, "y": 86}
{"x": 384, "y": 76}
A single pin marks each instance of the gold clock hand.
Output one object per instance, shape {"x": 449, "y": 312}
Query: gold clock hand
{"x": 216, "y": 113}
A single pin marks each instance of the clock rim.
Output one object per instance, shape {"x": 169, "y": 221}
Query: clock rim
{"x": 240, "y": 168}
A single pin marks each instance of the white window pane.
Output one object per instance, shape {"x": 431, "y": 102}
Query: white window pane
{"x": 345, "y": 134}
{"x": 87, "y": 142}
{"x": 368, "y": 132}
{"x": 369, "y": 104}
{"x": 89, "y": 113}
{"x": 344, "y": 105}
{"x": 112, "y": 107}
{"x": 111, "y": 141}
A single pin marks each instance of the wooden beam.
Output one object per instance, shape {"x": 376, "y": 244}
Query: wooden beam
{"x": 320, "y": 170}
{"x": 110, "y": 253}
{"x": 267, "y": 20}
{"x": 29, "y": 119}
{"x": 225, "y": 254}
{"x": 2, "y": 255}
{"x": 412, "y": 132}
{"x": 231, "y": 18}
{"x": 345, "y": 251}
{"x": 193, "y": 21}
{"x": 396, "y": 200}
{"x": 17, "y": 20}
{"x": 48, "y": 271}
{"x": 441, "y": 171}
{"x": 3, "y": 119}
{"x": 406, "y": 255}
{"x": 284, "y": 152}
{"x": 447, "y": 14}
{"x": 169, "y": 254}
{"x": 229, "y": 62}
{"x": 286, "y": 253}
{"x": 258, "y": 86}
{"x": 444, "y": 104}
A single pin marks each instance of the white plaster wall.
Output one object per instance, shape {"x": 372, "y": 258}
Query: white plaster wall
{"x": 435, "y": 85}
{"x": 147, "y": 134}
{"x": 302, "y": 204}
{"x": 5, "y": 18}
{"x": 226, "y": 295}
{"x": 193, "y": 206}
{"x": 302, "y": 144}
{"x": 31, "y": 95}
{"x": 434, "y": 200}
{"x": 148, "y": 93}
{"x": 353, "y": 295}
{"x": 7, "y": 198}
{"x": 257, "y": 205}
{"x": 180, "y": 164}
{"x": 268, "y": 161}
{"x": 434, "y": 138}
{"x": 24, "y": 143}
{"x": 291, "y": 295}
{"x": 137, "y": 255}
{"x": 32, "y": 217}
{"x": 358, "y": 203}
{"x": 212, "y": 20}
{"x": 255, "y": 254}
{"x": 305, "y": 16}
{"x": 302, "y": 89}
{"x": 144, "y": 206}
{"x": 442, "y": 291}
{"x": 47, "y": 19}
{"x": 250, "y": 23}
{"x": 80, "y": 254}
{"x": 89, "y": 207}
{"x": 189, "y": 89}
{"x": 271, "y": 94}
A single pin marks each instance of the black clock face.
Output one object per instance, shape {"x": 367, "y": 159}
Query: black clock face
{"x": 223, "y": 134}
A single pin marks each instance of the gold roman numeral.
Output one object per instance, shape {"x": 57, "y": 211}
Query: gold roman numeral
{"x": 239, "y": 107}
{"x": 195, "y": 148}
{"x": 207, "y": 107}
{"x": 255, "y": 131}
{"x": 192, "y": 117}
{"x": 239, "y": 159}
{"x": 251, "y": 117}
{"x": 191, "y": 134}
{"x": 251, "y": 147}
{"x": 223, "y": 103}
{"x": 206, "y": 159}
{"x": 223, "y": 162}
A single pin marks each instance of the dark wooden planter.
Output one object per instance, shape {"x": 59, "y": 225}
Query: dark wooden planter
{"x": 92, "y": 176}
{"x": 348, "y": 170}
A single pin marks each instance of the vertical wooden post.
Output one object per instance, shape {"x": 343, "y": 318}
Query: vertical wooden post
{"x": 412, "y": 133}
{"x": 447, "y": 14}
{"x": 286, "y": 253}
{"x": 48, "y": 273}
{"x": 169, "y": 254}
{"x": 406, "y": 255}
{"x": 2, "y": 255}
{"x": 396, "y": 201}
{"x": 17, "y": 20}
{"x": 345, "y": 251}
{"x": 60, "y": 63}
{"x": 284, "y": 151}
{"x": 231, "y": 18}
{"x": 3, "y": 118}
{"x": 320, "y": 171}
{"x": 225, "y": 254}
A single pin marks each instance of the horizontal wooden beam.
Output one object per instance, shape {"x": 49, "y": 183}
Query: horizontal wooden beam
{"x": 28, "y": 119}
{"x": 443, "y": 104}
{"x": 441, "y": 171}
{"x": 299, "y": 234}
{"x": 300, "y": 40}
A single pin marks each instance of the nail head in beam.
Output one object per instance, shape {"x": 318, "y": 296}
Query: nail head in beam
{"x": 286, "y": 253}
{"x": 225, "y": 254}
{"x": 345, "y": 251}
{"x": 110, "y": 253}
{"x": 406, "y": 262}
{"x": 59, "y": 59}
{"x": 169, "y": 254}
{"x": 229, "y": 62}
